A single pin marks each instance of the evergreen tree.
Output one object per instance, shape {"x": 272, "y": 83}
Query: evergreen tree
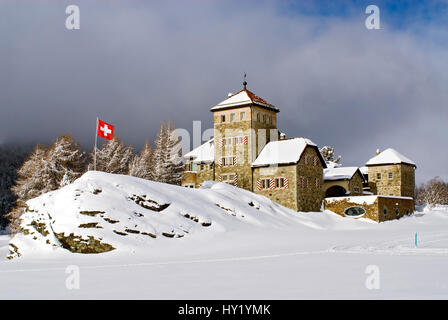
{"x": 30, "y": 182}
{"x": 65, "y": 162}
{"x": 160, "y": 155}
{"x": 328, "y": 155}
{"x": 175, "y": 165}
{"x": 167, "y": 157}
{"x": 142, "y": 164}
{"x": 46, "y": 170}
{"x": 113, "y": 157}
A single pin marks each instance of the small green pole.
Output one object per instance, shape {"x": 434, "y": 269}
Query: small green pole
{"x": 416, "y": 239}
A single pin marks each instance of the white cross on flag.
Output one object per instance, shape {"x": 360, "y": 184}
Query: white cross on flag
{"x": 105, "y": 130}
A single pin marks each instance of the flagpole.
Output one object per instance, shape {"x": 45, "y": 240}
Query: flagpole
{"x": 96, "y": 138}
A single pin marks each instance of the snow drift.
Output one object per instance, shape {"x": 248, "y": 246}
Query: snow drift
{"x": 102, "y": 212}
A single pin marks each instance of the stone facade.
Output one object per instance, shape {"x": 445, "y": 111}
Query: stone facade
{"x": 384, "y": 208}
{"x": 303, "y": 191}
{"x": 392, "y": 179}
{"x": 353, "y": 186}
{"x": 238, "y": 141}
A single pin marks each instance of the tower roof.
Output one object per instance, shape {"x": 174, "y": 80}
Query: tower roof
{"x": 243, "y": 98}
{"x": 390, "y": 156}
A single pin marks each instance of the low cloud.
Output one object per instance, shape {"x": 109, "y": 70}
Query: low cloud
{"x": 138, "y": 63}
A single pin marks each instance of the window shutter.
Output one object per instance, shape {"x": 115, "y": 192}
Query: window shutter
{"x": 258, "y": 184}
{"x": 272, "y": 183}
{"x": 286, "y": 183}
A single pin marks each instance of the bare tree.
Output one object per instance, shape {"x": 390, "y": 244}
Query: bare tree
{"x": 432, "y": 193}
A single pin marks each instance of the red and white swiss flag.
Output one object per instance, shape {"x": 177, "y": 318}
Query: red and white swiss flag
{"x": 105, "y": 130}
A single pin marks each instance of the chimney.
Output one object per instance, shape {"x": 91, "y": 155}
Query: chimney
{"x": 378, "y": 151}
{"x": 229, "y": 94}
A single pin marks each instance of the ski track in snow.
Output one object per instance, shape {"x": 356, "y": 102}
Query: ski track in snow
{"x": 231, "y": 259}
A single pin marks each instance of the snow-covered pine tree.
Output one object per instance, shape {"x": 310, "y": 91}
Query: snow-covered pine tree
{"x": 113, "y": 157}
{"x": 175, "y": 165}
{"x": 328, "y": 155}
{"x": 29, "y": 184}
{"x": 45, "y": 170}
{"x": 160, "y": 155}
{"x": 65, "y": 162}
{"x": 142, "y": 164}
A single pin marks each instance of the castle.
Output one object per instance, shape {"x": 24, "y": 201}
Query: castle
{"x": 248, "y": 151}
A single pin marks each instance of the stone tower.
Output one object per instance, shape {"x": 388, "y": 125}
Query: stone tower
{"x": 243, "y": 124}
{"x": 391, "y": 174}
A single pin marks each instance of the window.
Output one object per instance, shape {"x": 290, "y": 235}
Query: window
{"x": 227, "y": 161}
{"x": 265, "y": 183}
{"x": 242, "y": 115}
{"x": 378, "y": 175}
{"x": 270, "y": 119}
{"x": 210, "y": 166}
{"x": 231, "y": 177}
{"x": 397, "y": 212}
{"x": 224, "y": 178}
{"x": 201, "y": 167}
{"x": 354, "y": 211}
{"x": 391, "y": 175}
{"x": 223, "y": 118}
{"x": 258, "y": 116}
{"x": 232, "y": 117}
{"x": 306, "y": 159}
{"x": 315, "y": 161}
{"x": 279, "y": 182}
{"x": 226, "y": 141}
{"x": 385, "y": 211}
{"x": 264, "y": 118}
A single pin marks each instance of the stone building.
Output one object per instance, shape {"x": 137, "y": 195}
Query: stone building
{"x": 199, "y": 165}
{"x": 343, "y": 181}
{"x": 249, "y": 152}
{"x": 391, "y": 174}
{"x": 290, "y": 172}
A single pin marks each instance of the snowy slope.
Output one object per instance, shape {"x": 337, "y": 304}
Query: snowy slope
{"x": 103, "y": 212}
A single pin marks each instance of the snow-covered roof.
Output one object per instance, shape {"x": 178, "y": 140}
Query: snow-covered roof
{"x": 389, "y": 156}
{"x": 282, "y": 152}
{"x": 203, "y": 153}
{"x": 364, "y": 170}
{"x": 340, "y": 173}
{"x": 244, "y": 97}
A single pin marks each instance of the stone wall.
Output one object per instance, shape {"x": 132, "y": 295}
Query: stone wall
{"x": 391, "y": 208}
{"x": 339, "y": 207}
{"x": 285, "y": 196}
{"x": 402, "y": 182}
{"x": 309, "y": 192}
{"x": 189, "y": 178}
{"x": 355, "y": 184}
{"x": 257, "y": 133}
{"x": 384, "y": 208}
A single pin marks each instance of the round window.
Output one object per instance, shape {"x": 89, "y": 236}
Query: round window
{"x": 354, "y": 211}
